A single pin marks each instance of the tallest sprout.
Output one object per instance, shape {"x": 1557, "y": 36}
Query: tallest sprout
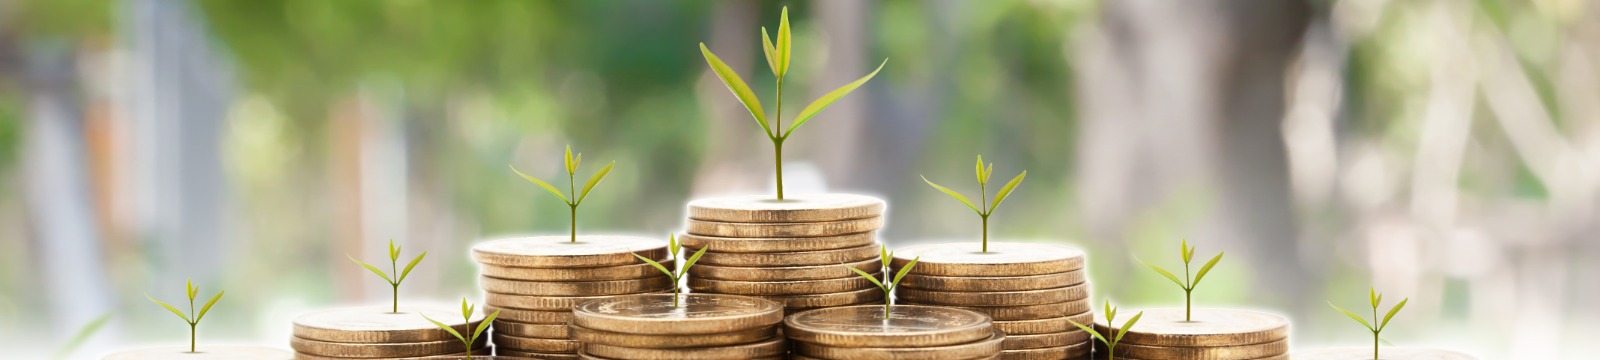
{"x": 572, "y": 185}
{"x": 778, "y": 56}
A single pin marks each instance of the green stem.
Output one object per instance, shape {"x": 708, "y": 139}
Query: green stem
{"x": 572, "y": 184}
{"x": 777, "y": 150}
{"x": 675, "y": 291}
{"x": 1188, "y": 290}
{"x": 777, "y": 142}
{"x": 985, "y": 233}
{"x": 1111, "y": 351}
{"x": 395, "y": 300}
{"x": 191, "y": 336}
{"x": 1375, "y": 332}
{"x": 886, "y": 306}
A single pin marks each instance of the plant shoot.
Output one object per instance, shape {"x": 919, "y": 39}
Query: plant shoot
{"x": 674, "y": 247}
{"x": 887, "y": 284}
{"x": 1374, "y": 297}
{"x": 1187, "y": 254}
{"x": 394, "y": 282}
{"x": 1111, "y": 343}
{"x": 193, "y": 318}
{"x": 466, "y": 315}
{"x": 572, "y": 185}
{"x": 984, "y": 208}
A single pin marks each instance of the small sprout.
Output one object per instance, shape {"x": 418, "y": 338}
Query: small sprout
{"x": 394, "y": 282}
{"x": 673, "y": 246}
{"x": 1187, "y": 254}
{"x": 193, "y": 321}
{"x": 466, "y": 315}
{"x": 1111, "y": 344}
{"x": 778, "y": 56}
{"x": 983, "y": 208}
{"x": 572, "y": 185}
{"x": 1374, "y": 297}
{"x": 887, "y": 284}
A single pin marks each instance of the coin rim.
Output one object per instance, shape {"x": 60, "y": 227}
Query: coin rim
{"x": 1144, "y": 337}
{"x": 935, "y": 267}
{"x": 760, "y": 245}
{"x": 763, "y": 317}
{"x": 566, "y": 261}
{"x": 698, "y": 209}
{"x": 982, "y": 348}
{"x": 932, "y": 337}
{"x": 782, "y": 230}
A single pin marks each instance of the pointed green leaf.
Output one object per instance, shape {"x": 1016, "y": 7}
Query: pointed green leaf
{"x": 657, "y": 265}
{"x": 409, "y": 266}
{"x": 1090, "y": 330}
{"x": 1164, "y": 272}
{"x": 394, "y": 252}
{"x": 784, "y": 42}
{"x": 884, "y": 256}
{"x": 1006, "y": 191}
{"x": 954, "y": 194}
{"x": 738, "y": 87}
{"x": 485, "y": 324}
{"x": 903, "y": 272}
{"x": 466, "y": 312}
{"x": 1353, "y": 316}
{"x": 542, "y": 184}
{"x": 192, "y": 290}
{"x": 672, "y": 245}
{"x": 1392, "y": 311}
{"x": 1205, "y": 269}
{"x": 1372, "y": 295}
{"x": 1111, "y": 312}
{"x": 174, "y": 310}
{"x": 695, "y": 258}
{"x": 1184, "y": 252}
{"x": 988, "y": 171}
{"x": 207, "y": 308}
{"x": 374, "y": 269}
{"x": 595, "y": 180}
{"x": 567, "y": 161}
{"x": 978, "y": 170}
{"x": 576, "y": 161}
{"x": 1128, "y": 325}
{"x": 767, "y": 48}
{"x": 447, "y": 328}
{"x": 868, "y": 276}
{"x": 828, "y": 99}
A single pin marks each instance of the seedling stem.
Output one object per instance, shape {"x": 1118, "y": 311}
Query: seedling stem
{"x": 984, "y": 208}
{"x": 673, "y": 246}
{"x": 394, "y": 268}
{"x": 193, "y": 318}
{"x": 1186, "y": 253}
{"x": 1374, "y": 298}
{"x": 576, "y": 197}
{"x": 888, "y": 284}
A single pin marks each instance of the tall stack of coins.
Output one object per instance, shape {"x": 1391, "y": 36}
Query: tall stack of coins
{"x": 790, "y": 251}
{"x": 1387, "y": 352}
{"x": 908, "y": 333}
{"x": 703, "y": 326}
{"x": 203, "y": 353}
{"x": 1214, "y": 334}
{"x": 1032, "y": 291}
{"x": 378, "y": 333}
{"x": 535, "y": 282}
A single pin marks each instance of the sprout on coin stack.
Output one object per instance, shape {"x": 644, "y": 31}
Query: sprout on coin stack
{"x": 1376, "y": 326}
{"x": 1188, "y": 284}
{"x": 1110, "y": 340}
{"x": 987, "y": 208}
{"x": 572, "y": 186}
{"x": 888, "y": 284}
{"x": 467, "y": 313}
{"x": 193, "y": 318}
{"x": 400, "y": 275}
{"x": 906, "y": 332}
{"x": 703, "y": 326}
{"x": 675, "y": 274}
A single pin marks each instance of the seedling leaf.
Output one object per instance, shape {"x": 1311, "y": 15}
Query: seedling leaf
{"x": 1128, "y": 325}
{"x": 207, "y": 308}
{"x": 1205, "y": 269}
{"x": 737, "y": 85}
{"x": 954, "y": 194}
{"x": 1392, "y": 311}
{"x": 978, "y": 170}
{"x": 868, "y": 276}
{"x": 694, "y": 258}
{"x": 542, "y": 184}
{"x": 1165, "y": 273}
{"x": 595, "y": 180}
{"x": 1353, "y": 316}
{"x": 827, "y": 99}
{"x": 657, "y": 265}
{"x": 1006, "y": 191}
{"x": 903, "y": 272}
{"x": 1372, "y": 295}
{"x": 174, "y": 310}
{"x": 784, "y": 42}
{"x": 767, "y": 48}
{"x": 412, "y": 265}
{"x": 1185, "y": 252}
{"x": 446, "y": 328}
{"x": 485, "y": 324}
{"x": 374, "y": 269}
{"x": 1090, "y": 330}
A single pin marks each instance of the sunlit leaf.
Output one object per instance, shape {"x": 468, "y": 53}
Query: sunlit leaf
{"x": 570, "y": 165}
{"x": 447, "y": 328}
{"x": 1372, "y": 295}
{"x": 767, "y": 48}
{"x": 394, "y": 252}
{"x": 978, "y": 170}
{"x": 1006, "y": 191}
{"x": 1168, "y": 275}
{"x": 1353, "y": 316}
{"x": 595, "y": 180}
{"x": 1128, "y": 325}
{"x": 784, "y": 42}
{"x": 1090, "y": 330}
{"x": 657, "y": 265}
{"x": 1185, "y": 252}
{"x": 412, "y": 265}
{"x": 191, "y": 289}
{"x": 738, "y": 87}
{"x": 954, "y": 194}
{"x": 884, "y": 255}
{"x": 542, "y": 184}
{"x": 672, "y": 245}
{"x": 1205, "y": 269}
{"x": 374, "y": 269}
{"x": 1392, "y": 311}
{"x": 485, "y": 324}
{"x": 695, "y": 258}
{"x": 207, "y": 308}
{"x": 174, "y": 310}
{"x": 828, "y": 99}
{"x": 868, "y": 276}
{"x": 903, "y": 272}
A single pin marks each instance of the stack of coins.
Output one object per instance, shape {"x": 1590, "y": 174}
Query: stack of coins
{"x": 908, "y": 333}
{"x": 792, "y": 251}
{"x": 698, "y": 326}
{"x": 535, "y": 282}
{"x": 1388, "y": 352}
{"x": 203, "y": 353}
{"x": 1032, "y": 291}
{"x": 1214, "y": 334}
{"x": 378, "y": 333}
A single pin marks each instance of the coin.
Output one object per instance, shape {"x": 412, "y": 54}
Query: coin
{"x": 1035, "y": 341}
{"x": 1079, "y": 350}
{"x": 992, "y": 283}
{"x": 981, "y": 348}
{"x": 535, "y": 344}
{"x": 486, "y": 350}
{"x": 793, "y": 356}
{"x": 576, "y": 288}
{"x": 536, "y": 302}
{"x": 782, "y": 273}
{"x": 794, "y": 208}
{"x": 1002, "y": 259}
{"x": 205, "y": 353}
{"x": 531, "y": 316}
{"x": 1251, "y": 351}
{"x": 617, "y": 272}
{"x": 770, "y": 347}
{"x": 650, "y": 341}
{"x": 792, "y": 302}
{"x": 1044, "y": 326}
{"x": 1387, "y": 352}
{"x": 698, "y": 314}
{"x": 804, "y": 258}
{"x": 543, "y": 331}
{"x": 1007, "y": 298}
{"x": 798, "y": 287}
{"x": 1024, "y": 312}
{"x": 584, "y": 356}
{"x": 907, "y": 326}
{"x": 1211, "y": 327}
{"x": 378, "y": 325}
{"x": 1101, "y": 354}
{"x": 561, "y": 252}
{"x": 384, "y": 350}
{"x": 782, "y": 230}
{"x": 535, "y": 355}
{"x": 778, "y": 244}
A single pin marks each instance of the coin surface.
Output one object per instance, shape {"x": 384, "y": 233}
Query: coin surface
{"x": 650, "y": 341}
{"x": 804, "y": 258}
{"x": 906, "y": 326}
{"x": 797, "y": 287}
{"x": 1252, "y": 351}
{"x": 576, "y": 288}
{"x": 1387, "y": 352}
{"x": 1075, "y": 351}
{"x": 531, "y": 316}
{"x": 793, "y": 208}
{"x": 1044, "y": 326}
{"x": 999, "y": 298}
{"x": 782, "y": 273}
{"x": 476, "y": 354}
{"x": 383, "y": 350}
{"x": 792, "y": 302}
{"x": 982, "y": 348}
{"x": 1002, "y": 259}
{"x": 535, "y": 344}
{"x": 992, "y": 283}
{"x": 537, "y": 302}
{"x": 520, "y": 354}
{"x": 1024, "y": 312}
{"x": 1211, "y": 327}
{"x": 782, "y": 230}
{"x": 765, "y": 348}
{"x": 698, "y": 314}
{"x": 378, "y": 325}
{"x": 561, "y": 252}
{"x": 543, "y": 331}
{"x": 639, "y": 270}
{"x": 777, "y": 244}
{"x": 1035, "y": 341}
{"x": 205, "y": 353}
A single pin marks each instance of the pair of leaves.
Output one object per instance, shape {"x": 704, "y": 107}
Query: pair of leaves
{"x": 190, "y": 291}
{"x": 1187, "y": 254}
{"x": 394, "y": 258}
{"x": 1111, "y": 315}
{"x": 1374, "y": 298}
{"x": 884, "y": 250}
{"x": 778, "y": 55}
{"x": 675, "y": 275}
{"x": 983, "y": 180}
{"x": 466, "y": 314}
{"x": 572, "y": 167}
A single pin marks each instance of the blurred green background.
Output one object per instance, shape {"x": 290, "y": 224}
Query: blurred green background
{"x": 1442, "y": 150}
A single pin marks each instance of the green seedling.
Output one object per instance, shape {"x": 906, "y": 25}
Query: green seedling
{"x": 887, "y": 284}
{"x": 572, "y": 185}
{"x": 1374, "y": 297}
{"x": 194, "y": 320}
{"x": 1111, "y": 343}
{"x": 778, "y": 56}
{"x": 984, "y": 208}
{"x": 394, "y": 261}
{"x": 1187, "y": 254}
{"x": 674, "y": 247}
{"x": 466, "y": 315}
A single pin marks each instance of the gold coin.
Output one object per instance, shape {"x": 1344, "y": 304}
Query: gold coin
{"x": 806, "y": 258}
{"x": 778, "y": 244}
{"x": 561, "y": 252}
{"x": 770, "y": 347}
{"x": 783, "y": 273}
{"x": 378, "y": 325}
{"x": 1002, "y": 259}
{"x": 907, "y": 326}
{"x": 205, "y": 353}
{"x": 1101, "y": 354}
{"x": 800, "y": 287}
{"x": 576, "y": 288}
{"x": 536, "y": 344}
{"x": 863, "y": 296}
{"x": 617, "y": 272}
{"x": 992, "y": 283}
{"x": 1387, "y": 352}
{"x": 794, "y": 208}
{"x": 1044, "y": 326}
{"x": 1074, "y": 351}
{"x": 782, "y": 230}
{"x": 697, "y": 314}
{"x": 1211, "y": 327}
{"x": 584, "y": 356}
{"x": 982, "y": 348}
{"x": 531, "y": 316}
{"x": 536, "y": 355}
{"x": 1035, "y": 341}
{"x": 793, "y": 356}
{"x": 543, "y": 331}
{"x": 1252, "y": 351}
{"x": 1024, "y": 312}
{"x": 537, "y": 302}
{"x": 486, "y": 350}
{"x": 383, "y": 350}
{"x": 1005, "y": 298}
{"x": 650, "y": 341}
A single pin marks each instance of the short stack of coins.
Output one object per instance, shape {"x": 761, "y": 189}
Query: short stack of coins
{"x": 381, "y": 333}
{"x": 1032, "y": 291}
{"x": 535, "y": 282}
{"x": 1203, "y": 333}
{"x": 905, "y": 332}
{"x": 692, "y": 326}
{"x": 792, "y": 251}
